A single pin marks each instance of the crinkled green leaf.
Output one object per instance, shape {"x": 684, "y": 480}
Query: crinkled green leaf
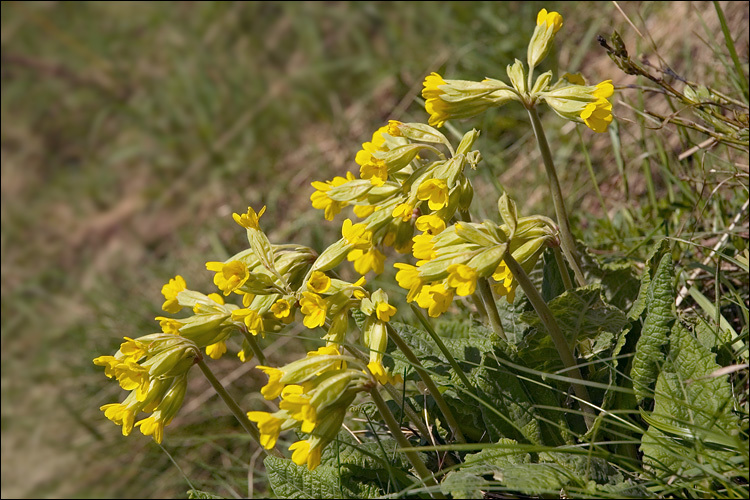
{"x": 462, "y": 484}
{"x": 692, "y": 425}
{"x": 660, "y": 316}
{"x": 289, "y": 480}
{"x": 586, "y": 321}
{"x": 619, "y": 284}
{"x": 654, "y": 258}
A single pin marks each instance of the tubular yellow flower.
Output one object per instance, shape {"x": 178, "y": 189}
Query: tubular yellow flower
{"x": 319, "y": 282}
{"x": 376, "y": 171}
{"x": 169, "y": 325}
{"x": 122, "y": 414}
{"x": 363, "y": 211}
{"x": 356, "y": 235}
{"x": 463, "y": 278}
{"x": 597, "y": 115}
{"x": 253, "y": 321}
{"x": 216, "y": 350}
{"x": 435, "y": 191}
{"x": 430, "y": 223}
{"x": 314, "y": 307}
{"x": 547, "y": 25}
{"x": 170, "y": 291}
{"x": 403, "y": 212}
{"x": 436, "y": 298}
{"x": 372, "y": 259}
{"x": 273, "y": 388}
{"x": 320, "y": 199}
{"x": 133, "y": 350}
{"x": 408, "y": 278}
{"x": 299, "y": 408}
{"x": 506, "y": 285}
{"x": 269, "y": 426}
{"x": 394, "y": 129}
{"x": 551, "y": 19}
{"x": 229, "y": 276}
{"x": 250, "y": 219}
{"x": 436, "y": 107}
{"x": 384, "y": 311}
{"x": 423, "y": 248}
{"x": 281, "y": 309}
{"x": 303, "y": 454}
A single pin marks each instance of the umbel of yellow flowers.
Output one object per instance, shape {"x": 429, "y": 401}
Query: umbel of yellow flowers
{"x": 569, "y": 97}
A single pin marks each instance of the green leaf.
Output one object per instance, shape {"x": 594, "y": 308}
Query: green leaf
{"x": 656, "y": 255}
{"x": 586, "y": 321}
{"x": 692, "y": 425}
{"x": 660, "y": 305}
{"x": 462, "y": 484}
{"x": 289, "y": 480}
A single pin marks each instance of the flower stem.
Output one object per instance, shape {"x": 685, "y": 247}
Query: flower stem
{"x": 563, "y": 268}
{"x": 563, "y": 349}
{"x": 424, "y": 473}
{"x": 234, "y": 408}
{"x": 491, "y": 305}
{"x": 567, "y": 240}
{"x": 441, "y": 345}
{"x": 257, "y": 351}
{"x": 428, "y": 382}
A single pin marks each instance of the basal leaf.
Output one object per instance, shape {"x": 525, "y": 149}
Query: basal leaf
{"x": 660, "y": 316}
{"x": 587, "y": 322}
{"x": 692, "y": 425}
{"x": 289, "y": 480}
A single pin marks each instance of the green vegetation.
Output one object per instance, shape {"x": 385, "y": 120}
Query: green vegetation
{"x": 132, "y": 132}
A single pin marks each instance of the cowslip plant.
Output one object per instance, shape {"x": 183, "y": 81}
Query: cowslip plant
{"x": 531, "y": 388}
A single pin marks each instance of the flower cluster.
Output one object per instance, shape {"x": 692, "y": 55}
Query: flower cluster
{"x": 452, "y": 260}
{"x": 569, "y": 97}
{"x": 316, "y": 393}
{"x": 154, "y": 369}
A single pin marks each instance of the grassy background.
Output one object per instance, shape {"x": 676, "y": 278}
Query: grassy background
{"x": 132, "y": 131}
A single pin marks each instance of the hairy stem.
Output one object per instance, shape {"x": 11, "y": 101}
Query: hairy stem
{"x": 566, "y": 355}
{"x": 566, "y": 236}
{"x": 428, "y": 382}
{"x": 234, "y": 408}
{"x": 491, "y": 305}
{"x": 419, "y": 466}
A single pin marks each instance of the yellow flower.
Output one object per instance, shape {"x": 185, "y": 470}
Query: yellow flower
{"x": 314, "y": 307}
{"x": 436, "y": 298}
{"x": 170, "y": 291}
{"x": 229, "y": 276}
{"x": 269, "y": 426}
{"x": 551, "y": 19}
{"x": 435, "y": 191}
{"x": 424, "y": 248}
{"x": 463, "y": 278}
{"x": 299, "y": 408}
{"x": 273, "y": 388}
{"x": 281, "y": 309}
{"x": 252, "y": 319}
{"x": 436, "y": 107}
{"x": 169, "y": 325}
{"x": 122, "y": 413}
{"x": 394, "y": 128}
{"x": 216, "y": 350}
{"x": 384, "y": 311}
{"x": 376, "y": 171}
{"x": 319, "y": 282}
{"x": 133, "y": 350}
{"x": 506, "y": 285}
{"x": 356, "y": 235}
{"x": 403, "y": 212}
{"x": 322, "y": 201}
{"x": 597, "y": 115}
{"x": 363, "y": 211}
{"x": 304, "y": 455}
{"x": 364, "y": 156}
{"x": 373, "y": 259}
{"x": 408, "y": 278}
{"x": 250, "y": 219}
{"x": 430, "y": 223}
{"x": 152, "y": 426}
